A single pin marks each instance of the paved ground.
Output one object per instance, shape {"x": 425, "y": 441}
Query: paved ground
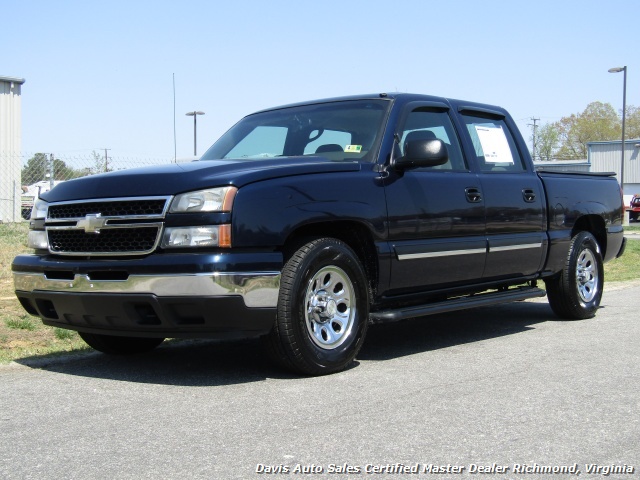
{"x": 508, "y": 384}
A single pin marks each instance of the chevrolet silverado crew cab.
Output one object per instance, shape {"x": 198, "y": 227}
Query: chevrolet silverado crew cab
{"x": 305, "y": 223}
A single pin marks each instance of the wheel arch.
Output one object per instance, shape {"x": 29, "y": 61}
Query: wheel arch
{"x": 356, "y": 235}
{"x": 595, "y": 225}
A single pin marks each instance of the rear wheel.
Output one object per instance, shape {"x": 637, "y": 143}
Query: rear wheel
{"x": 576, "y": 292}
{"x": 115, "y": 345}
{"x": 323, "y": 309}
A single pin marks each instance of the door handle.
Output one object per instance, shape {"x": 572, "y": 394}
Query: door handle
{"x": 473, "y": 194}
{"x": 529, "y": 195}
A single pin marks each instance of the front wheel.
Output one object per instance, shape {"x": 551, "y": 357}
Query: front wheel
{"x": 115, "y": 345}
{"x": 575, "y": 293}
{"x": 323, "y": 309}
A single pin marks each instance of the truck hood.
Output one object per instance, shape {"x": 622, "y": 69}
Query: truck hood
{"x": 184, "y": 177}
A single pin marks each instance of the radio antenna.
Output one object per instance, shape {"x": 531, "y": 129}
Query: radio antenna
{"x": 175, "y": 148}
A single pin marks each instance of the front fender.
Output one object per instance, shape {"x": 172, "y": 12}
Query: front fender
{"x": 266, "y": 213}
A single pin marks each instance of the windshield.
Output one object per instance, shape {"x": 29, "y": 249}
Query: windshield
{"x": 345, "y": 130}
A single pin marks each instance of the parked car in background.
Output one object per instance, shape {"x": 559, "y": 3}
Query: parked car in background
{"x": 634, "y": 207}
{"x": 31, "y": 192}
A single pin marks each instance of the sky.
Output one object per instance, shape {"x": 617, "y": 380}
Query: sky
{"x": 101, "y": 74}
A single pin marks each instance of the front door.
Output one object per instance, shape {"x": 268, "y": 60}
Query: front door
{"x": 436, "y": 214}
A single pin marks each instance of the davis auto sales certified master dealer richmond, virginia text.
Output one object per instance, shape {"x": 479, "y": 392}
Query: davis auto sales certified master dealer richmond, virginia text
{"x": 429, "y": 468}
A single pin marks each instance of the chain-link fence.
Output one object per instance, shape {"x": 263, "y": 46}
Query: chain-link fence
{"x": 22, "y": 177}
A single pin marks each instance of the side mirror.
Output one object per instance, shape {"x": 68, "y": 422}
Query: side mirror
{"x": 423, "y": 153}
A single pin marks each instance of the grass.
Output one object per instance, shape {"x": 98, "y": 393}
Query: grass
{"x": 22, "y": 335}
{"x": 22, "y": 323}
{"x": 62, "y": 334}
{"x": 626, "y": 267}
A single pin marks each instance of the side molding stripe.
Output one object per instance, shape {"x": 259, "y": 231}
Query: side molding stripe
{"x": 473, "y": 251}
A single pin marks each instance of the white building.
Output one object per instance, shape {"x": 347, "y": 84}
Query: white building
{"x": 10, "y": 148}
{"x": 563, "y": 165}
{"x": 607, "y": 156}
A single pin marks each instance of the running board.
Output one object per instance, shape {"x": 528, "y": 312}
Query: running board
{"x": 459, "y": 303}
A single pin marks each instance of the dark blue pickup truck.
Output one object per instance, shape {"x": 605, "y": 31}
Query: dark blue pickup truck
{"x": 304, "y": 223}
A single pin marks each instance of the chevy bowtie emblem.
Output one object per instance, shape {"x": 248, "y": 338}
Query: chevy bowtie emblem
{"x": 92, "y": 223}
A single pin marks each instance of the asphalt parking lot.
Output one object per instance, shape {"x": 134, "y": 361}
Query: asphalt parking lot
{"x": 507, "y": 385}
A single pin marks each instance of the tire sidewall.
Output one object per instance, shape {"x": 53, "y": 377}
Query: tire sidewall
{"x": 330, "y": 252}
{"x": 582, "y": 241}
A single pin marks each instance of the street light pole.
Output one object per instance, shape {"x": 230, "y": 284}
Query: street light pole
{"x": 624, "y": 111}
{"x": 194, "y": 114}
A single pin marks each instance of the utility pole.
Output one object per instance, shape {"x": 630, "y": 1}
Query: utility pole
{"x": 51, "y": 171}
{"x": 535, "y": 137}
{"x": 106, "y": 160}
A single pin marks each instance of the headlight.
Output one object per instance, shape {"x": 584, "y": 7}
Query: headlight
{"x": 210, "y": 200}
{"x": 204, "y": 236}
{"x": 40, "y": 208}
{"x": 38, "y": 240}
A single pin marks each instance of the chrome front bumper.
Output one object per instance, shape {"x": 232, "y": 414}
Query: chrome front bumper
{"x": 257, "y": 289}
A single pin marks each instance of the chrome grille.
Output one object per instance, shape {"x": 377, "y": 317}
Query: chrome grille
{"x": 114, "y": 227}
{"x": 108, "y": 209}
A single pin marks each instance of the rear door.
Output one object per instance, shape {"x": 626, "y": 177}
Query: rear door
{"x": 436, "y": 214}
{"x": 513, "y": 198}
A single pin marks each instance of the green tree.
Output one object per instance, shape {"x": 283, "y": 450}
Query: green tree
{"x": 598, "y": 122}
{"x": 547, "y": 142}
{"x": 632, "y": 123}
{"x": 63, "y": 172}
{"x": 101, "y": 164}
{"x": 36, "y": 169}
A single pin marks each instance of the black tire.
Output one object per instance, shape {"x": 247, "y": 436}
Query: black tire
{"x": 323, "y": 309}
{"x": 115, "y": 345}
{"x": 575, "y": 293}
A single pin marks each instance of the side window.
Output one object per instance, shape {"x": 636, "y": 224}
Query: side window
{"x": 493, "y": 144}
{"x": 423, "y": 123}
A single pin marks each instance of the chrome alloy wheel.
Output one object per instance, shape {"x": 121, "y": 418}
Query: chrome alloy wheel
{"x": 587, "y": 275}
{"x": 330, "y": 307}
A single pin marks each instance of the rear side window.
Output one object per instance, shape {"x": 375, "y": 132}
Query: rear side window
{"x": 494, "y": 146}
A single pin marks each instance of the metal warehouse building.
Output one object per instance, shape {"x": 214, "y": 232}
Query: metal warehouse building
{"x": 606, "y": 157}
{"x": 10, "y": 148}
{"x": 563, "y": 166}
